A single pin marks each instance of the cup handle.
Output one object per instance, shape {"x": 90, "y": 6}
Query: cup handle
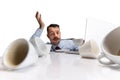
{"x": 109, "y": 62}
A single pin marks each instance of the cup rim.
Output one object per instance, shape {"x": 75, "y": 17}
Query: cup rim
{"x": 4, "y": 63}
{"x": 103, "y": 42}
{"x": 23, "y": 63}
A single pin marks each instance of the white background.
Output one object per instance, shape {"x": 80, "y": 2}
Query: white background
{"x": 17, "y": 18}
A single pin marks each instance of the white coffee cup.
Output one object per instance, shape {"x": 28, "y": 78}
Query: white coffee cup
{"x": 89, "y": 49}
{"x": 19, "y": 54}
{"x": 111, "y": 48}
{"x": 41, "y": 48}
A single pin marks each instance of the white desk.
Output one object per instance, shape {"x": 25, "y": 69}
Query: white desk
{"x": 62, "y": 66}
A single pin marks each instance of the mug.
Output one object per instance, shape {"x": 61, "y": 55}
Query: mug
{"x": 19, "y": 54}
{"x": 41, "y": 48}
{"x": 111, "y": 48}
{"x": 89, "y": 49}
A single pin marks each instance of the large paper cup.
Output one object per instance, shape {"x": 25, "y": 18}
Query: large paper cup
{"x": 89, "y": 49}
{"x": 111, "y": 47}
{"x": 19, "y": 54}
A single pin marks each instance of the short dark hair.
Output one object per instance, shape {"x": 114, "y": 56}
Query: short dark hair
{"x": 52, "y": 25}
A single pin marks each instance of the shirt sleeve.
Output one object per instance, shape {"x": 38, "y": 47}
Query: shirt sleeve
{"x": 37, "y": 33}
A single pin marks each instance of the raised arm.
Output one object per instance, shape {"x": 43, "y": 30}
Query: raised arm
{"x": 38, "y": 32}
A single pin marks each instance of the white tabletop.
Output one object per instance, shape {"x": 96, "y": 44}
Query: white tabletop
{"x": 62, "y": 66}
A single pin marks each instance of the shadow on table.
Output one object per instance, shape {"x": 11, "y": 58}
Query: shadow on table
{"x": 114, "y": 66}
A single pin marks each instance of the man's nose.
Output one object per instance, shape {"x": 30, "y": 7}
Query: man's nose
{"x": 56, "y": 35}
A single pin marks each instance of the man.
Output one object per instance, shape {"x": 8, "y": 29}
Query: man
{"x": 54, "y": 35}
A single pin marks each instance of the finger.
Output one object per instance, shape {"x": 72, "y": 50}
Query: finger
{"x": 36, "y": 14}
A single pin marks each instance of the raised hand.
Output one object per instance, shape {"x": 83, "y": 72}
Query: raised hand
{"x": 39, "y": 19}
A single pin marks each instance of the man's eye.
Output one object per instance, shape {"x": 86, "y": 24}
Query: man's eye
{"x": 51, "y": 33}
{"x": 58, "y": 32}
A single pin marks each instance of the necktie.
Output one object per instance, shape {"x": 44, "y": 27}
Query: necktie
{"x": 57, "y": 48}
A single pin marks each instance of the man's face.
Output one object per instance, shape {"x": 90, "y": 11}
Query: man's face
{"x": 54, "y": 35}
